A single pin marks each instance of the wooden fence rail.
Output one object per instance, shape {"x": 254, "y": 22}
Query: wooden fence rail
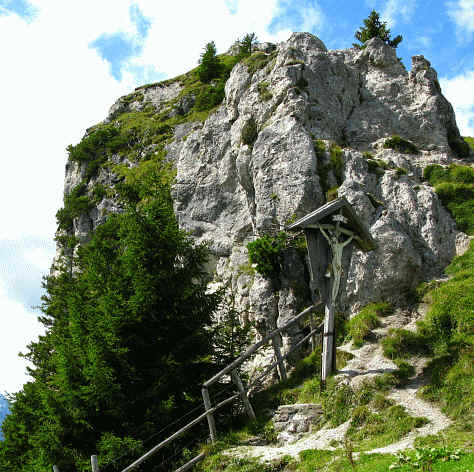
{"x": 231, "y": 370}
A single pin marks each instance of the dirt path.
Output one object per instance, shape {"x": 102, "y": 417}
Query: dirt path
{"x": 367, "y": 362}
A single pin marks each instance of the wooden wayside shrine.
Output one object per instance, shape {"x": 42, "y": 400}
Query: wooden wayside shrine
{"x": 328, "y": 231}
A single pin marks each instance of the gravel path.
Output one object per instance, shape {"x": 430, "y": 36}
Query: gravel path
{"x": 367, "y": 362}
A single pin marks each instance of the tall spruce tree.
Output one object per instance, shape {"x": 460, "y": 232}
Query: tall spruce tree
{"x": 374, "y": 28}
{"x": 209, "y": 64}
{"x": 125, "y": 349}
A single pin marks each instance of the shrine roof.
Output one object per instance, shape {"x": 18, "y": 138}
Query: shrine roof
{"x": 322, "y": 216}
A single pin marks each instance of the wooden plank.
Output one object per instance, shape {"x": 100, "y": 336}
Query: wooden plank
{"x": 192, "y": 462}
{"x": 210, "y": 416}
{"x": 94, "y": 464}
{"x": 293, "y": 349}
{"x": 279, "y": 358}
{"x": 256, "y": 346}
{"x": 243, "y": 394}
{"x": 363, "y": 237}
{"x": 179, "y": 433}
{"x": 328, "y": 344}
{"x": 318, "y": 255}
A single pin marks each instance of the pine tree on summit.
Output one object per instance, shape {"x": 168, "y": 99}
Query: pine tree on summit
{"x": 209, "y": 65}
{"x": 374, "y": 28}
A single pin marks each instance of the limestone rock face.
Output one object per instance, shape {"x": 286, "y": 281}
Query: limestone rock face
{"x": 253, "y": 166}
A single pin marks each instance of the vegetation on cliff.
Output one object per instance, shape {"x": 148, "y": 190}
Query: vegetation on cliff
{"x": 126, "y": 347}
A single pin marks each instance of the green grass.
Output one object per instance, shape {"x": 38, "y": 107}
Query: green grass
{"x": 469, "y": 140}
{"x": 361, "y": 325}
{"x": 454, "y": 186}
{"x": 447, "y": 335}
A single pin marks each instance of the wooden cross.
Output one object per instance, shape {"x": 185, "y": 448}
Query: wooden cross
{"x": 328, "y": 230}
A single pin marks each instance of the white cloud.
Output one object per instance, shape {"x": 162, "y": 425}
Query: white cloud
{"x": 462, "y": 13}
{"x": 398, "y": 8}
{"x": 459, "y": 91}
{"x": 18, "y": 327}
{"x": 54, "y": 86}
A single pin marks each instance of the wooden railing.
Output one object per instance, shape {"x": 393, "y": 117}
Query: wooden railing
{"x": 232, "y": 370}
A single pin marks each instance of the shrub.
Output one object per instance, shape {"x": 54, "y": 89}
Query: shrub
{"x": 266, "y": 253}
{"x": 335, "y": 157}
{"x": 75, "y": 204}
{"x": 249, "y": 132}
{"x": 263, "y": 91}
{"x": 401, "y": 145}
{"x": 210, "y": 96}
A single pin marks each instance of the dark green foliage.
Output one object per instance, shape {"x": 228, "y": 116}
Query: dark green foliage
{"x": 247, "y": 44}
{"x": 263, "y": 91}
{"x": 249, "y": 132}
{"x": 401, "y": 145}
{"x": 374, "y": 28}
{"x": 230, "y": 336}
{"x": 93, "y": 150}
{"x": 337, "y": 164}
{"x": 458, "y": 145}
{"x": 125, "y": 349}
{"x": 266, "y": 253}
{"x": 455, "y": 188}
{"x": 210, "y": 96}
{"x": 399, "y": 171}
{"x": 99, "y": 193}
{"x": 76, "y": 204}
{"x": 209, "y": 65}
{"x": 470, "y": 141}
{"x": 301, "y": 83}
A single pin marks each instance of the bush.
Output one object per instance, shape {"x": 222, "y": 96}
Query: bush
{"x": 266, "y": 253}
{"x": 263, "y": 91}
{"x": 209, "y": 96}
{"x": 75, "y": 204}
{"x": 335, "y": 157}
{"x": 401, "y": 145}
{"x": 249, "y": 132}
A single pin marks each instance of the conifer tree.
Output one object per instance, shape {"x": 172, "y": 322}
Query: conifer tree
{"x": 126, "y": 346}
{"x": 374, "y": 28}
{"x": 209, "y": 65}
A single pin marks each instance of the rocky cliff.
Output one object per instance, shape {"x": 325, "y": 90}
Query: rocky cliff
{"x": 298, "y": 125}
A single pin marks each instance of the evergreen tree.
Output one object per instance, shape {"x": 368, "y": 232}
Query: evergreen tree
{"x": 126, "y": 348}
{"x": 209, "y": 65}
{"x": 374, "y": 28}
{"x": 247, "y": 44}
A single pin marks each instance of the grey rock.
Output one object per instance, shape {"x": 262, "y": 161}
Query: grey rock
{"x": 228, "y": 193}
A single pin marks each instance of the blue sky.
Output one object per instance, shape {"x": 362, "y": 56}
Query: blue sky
{"x": 64, "y": 63}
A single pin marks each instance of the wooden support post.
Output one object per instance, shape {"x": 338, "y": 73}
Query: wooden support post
{"x": 94, "y": 464}
{"x": 314, "y": 342}
{"x": 243, "y": 394}
{"x": 55, "y": 468}
{"x": 328, "y": 343}
{"x": 279, "y": 357}
{"x": 210, "y": 416}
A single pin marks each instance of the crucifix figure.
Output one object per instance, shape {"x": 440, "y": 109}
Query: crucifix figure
{"x": 328, "y": 231}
